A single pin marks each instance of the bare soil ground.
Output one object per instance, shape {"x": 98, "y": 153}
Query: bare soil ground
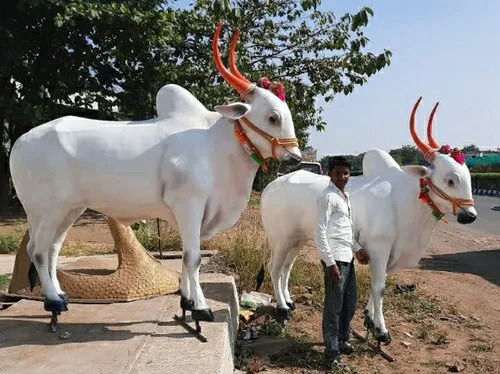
{"x": 461, "y": 271}
{"x": 90, "y": 228}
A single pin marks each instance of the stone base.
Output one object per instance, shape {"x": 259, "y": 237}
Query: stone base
{"x": 138, "y": 276}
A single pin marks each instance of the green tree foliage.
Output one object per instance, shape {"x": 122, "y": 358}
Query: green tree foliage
{"x": 408, "y": 155}
{"x": 60, "y": 57}
{"x": 405, "y": 155}
{"x": 471, "y": 148}
{"x": 356, "y": 163}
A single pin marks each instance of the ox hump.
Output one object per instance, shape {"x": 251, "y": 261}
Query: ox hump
{"x": 377, "y": 161}
{"x": 173, "y": 100}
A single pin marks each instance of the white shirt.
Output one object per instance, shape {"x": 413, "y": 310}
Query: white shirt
{"x": 334, "y": 236}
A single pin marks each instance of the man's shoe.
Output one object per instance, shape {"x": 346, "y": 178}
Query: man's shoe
{"x": 346, "y": 348}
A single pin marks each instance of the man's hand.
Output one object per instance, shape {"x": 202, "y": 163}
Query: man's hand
{"x": 362, "y": 256}
{"x": 335, "y": 272}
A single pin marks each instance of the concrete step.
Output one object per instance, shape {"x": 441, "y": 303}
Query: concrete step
{"x": 136, "y": 337}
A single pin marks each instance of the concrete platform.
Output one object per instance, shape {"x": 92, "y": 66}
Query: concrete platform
{"x": 136, "y": 337}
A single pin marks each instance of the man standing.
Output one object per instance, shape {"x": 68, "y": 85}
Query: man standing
{"x": 335, "y": 243}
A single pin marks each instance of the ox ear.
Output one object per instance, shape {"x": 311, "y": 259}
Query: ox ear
{"x": 233, "y": 110}
{"x": 416, "y": 170}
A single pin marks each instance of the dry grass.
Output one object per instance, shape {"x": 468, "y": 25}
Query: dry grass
{"x": 78, "y": 248}
{"x": 147, "y": 234}
{"x": 243, "y": 250}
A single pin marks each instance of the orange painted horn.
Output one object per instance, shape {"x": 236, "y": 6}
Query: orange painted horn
{"x": 232, "y": 57}
{"x": 429, "y": 153}
{"x": 237, "y": 83}
{"x": 432, "y": 142}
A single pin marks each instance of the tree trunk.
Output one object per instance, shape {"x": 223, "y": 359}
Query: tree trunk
{"x": 4, "y": 184}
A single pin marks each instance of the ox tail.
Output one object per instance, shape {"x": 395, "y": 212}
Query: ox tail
{"x": 262, "y": 272}
{"x": 260, "y": 278}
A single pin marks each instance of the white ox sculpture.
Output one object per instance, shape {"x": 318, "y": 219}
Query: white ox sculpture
{"x": 189, "y": 166}
{"x": 389, "y": 219}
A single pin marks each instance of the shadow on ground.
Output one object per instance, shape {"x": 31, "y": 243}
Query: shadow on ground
{"x": 483, "y": 263}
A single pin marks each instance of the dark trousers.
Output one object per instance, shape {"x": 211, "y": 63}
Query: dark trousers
{"x": 340, "y": 305}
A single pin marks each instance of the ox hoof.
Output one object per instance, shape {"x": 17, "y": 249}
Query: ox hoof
{"x": 202, "y": 315}
{"x": 291, "y": 305}
{"x": 55, "y": 306}
{"x": 186, "y": 304}
{"x": 368, "y": 322}
{"x": 382, "y": 337}
{"x": 64, "y": 298}
{"x": 283, "y": 313}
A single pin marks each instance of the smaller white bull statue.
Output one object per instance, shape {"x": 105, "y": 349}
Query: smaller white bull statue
{"x": 394, "y": 212}
{"x": 190, "y": 166}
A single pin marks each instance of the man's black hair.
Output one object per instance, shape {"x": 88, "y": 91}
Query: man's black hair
{"x": 337, "y": 161}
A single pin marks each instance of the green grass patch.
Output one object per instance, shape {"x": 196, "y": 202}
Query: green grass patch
{"x": 4, "y": 282}
{"x": 9, "y": 243}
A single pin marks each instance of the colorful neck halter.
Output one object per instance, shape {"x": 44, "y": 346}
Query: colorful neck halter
{"x": 426, "y": 186}
{"x": 252, "y": 150}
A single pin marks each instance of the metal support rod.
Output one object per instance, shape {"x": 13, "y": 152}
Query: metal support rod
{"x": 159, "y": 237}
{"x": 377, "y": 349}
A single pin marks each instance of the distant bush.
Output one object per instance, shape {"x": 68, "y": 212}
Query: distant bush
{"x": 486, "y": 180}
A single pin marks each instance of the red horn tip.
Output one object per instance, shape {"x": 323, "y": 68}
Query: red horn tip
{"x": 232, "y": 57}
{"x": 236, "y": 82}
{"x": 430, "y": 137}
{"x": 428, "y": 152}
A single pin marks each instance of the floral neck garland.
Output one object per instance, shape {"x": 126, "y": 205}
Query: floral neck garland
{"x": 252, "y": 151}
{"x": 424, "y": 196}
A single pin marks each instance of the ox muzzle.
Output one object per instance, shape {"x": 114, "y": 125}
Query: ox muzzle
{"x": 465, "y": 217}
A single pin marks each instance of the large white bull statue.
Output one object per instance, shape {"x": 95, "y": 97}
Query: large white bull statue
{"x": 395, "y": 210}
{"x": 190, "y": 166}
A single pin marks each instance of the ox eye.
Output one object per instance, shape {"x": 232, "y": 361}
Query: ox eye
{"x": 273, "y": 120}
{"x": 451, "y": 183}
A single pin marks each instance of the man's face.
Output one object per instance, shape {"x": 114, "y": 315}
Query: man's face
{"x": 339, "y": 176}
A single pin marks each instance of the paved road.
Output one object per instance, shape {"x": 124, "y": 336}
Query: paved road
{"x": 488, "y": 219}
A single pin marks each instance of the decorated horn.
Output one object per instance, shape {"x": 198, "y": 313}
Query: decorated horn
{"x": 429, "y": 153}
{"x": 232, "y": 57}
{"x": 237, "y": 83}
{"x": 432, "y": 142}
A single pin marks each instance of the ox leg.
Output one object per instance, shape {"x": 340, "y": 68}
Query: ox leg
{"x": 189, "y": 219}
{"x": 62, "y": 231}
{"x": 286, "y": 271}
{"x": 187, "y": 302}
{"x": 44, "y": 236}
{"x": 369, "y": 314}
{"x": 277, "y": 276}
{"x": 378, "y": 274}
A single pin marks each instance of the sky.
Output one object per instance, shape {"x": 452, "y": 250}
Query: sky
{"x": 446, "y": 51}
